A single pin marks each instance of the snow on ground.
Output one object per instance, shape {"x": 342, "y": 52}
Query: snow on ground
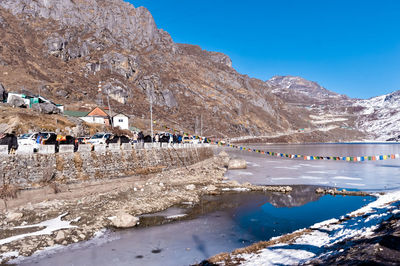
{"x": 346, "y": 178}
{"x": 325, "y": 119}
{"x": 176, "y": 216}
{"x": 324, "y": 235}
{"x": 10, "y": 254}
{"x": 50, "y": 226}
{"x": 98, "y": 238}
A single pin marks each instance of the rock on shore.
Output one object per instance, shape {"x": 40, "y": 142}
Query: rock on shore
{"x": 124, "y": 220}
{"x": 237, "y": 164}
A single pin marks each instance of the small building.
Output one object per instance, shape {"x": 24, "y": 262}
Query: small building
{"x": 97, "y": 116}
{"x": 121, "y": 121}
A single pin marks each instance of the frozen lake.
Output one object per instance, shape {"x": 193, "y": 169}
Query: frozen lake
{"x": 218, "y": 224}
{"x": 369, "y": 176}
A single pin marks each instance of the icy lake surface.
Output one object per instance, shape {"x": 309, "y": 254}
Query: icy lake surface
{"x": 218, "y": 224}
{"x": 183, "y": 235}
{"x": 370, "y": 176}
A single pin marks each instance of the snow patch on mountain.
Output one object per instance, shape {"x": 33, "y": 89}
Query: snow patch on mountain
{"x": 380, "y": 115}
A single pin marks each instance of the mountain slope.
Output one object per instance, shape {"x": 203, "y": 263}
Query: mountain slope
{"x": 67, "y": 48}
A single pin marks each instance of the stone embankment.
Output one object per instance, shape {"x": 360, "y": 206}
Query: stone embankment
{"x": 30, "y": 170}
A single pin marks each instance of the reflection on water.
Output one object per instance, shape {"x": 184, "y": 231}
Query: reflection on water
{"x": 371, "y": 175}
{"x": 218, "y": 224}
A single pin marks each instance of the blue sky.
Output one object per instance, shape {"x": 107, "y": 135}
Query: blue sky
{"x": 350, "y": 47}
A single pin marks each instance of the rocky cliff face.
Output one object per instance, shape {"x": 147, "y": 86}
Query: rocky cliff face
{"x": 79, "y": 52}
{"x": 116, "y": 22}
{"x": 298, "y": 90}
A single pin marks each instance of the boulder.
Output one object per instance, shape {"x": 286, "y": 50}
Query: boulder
{"x": 169, "y": 98}
{"x": 62, "y": 93}
{"x": 14, "y": 216}
{"x": 46, "y": 108}
{"x": 2, "y": 92}
{"x": 60, "y": 236}
{"x": 124, "y": 220}
{"x": 211, "y": 188}
{"x": 190, "y": 187}
{"x": 223, "y": 154}
{"x": 224, "y": 158}
{"x": 16, "y": 102}
{"x": 237, "y": 164}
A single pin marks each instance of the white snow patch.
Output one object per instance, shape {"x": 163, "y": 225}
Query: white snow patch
{"x": 176, "y": 216}
{"x": 236, "y": 189}
{"x": 346, "y": 178}
{"x": 311, "y": 165}
{"x": 282, "y": 178}
{"x": 316, "y": 172}
{"x": 355, "y": 184}
{"x": 9, "y": 255}
{"x": 287, "y": 167}
{"x": 243, "y": 173}
{"x": 310, "y": 177}
{"x": 277, "y": 257}
{"x": 50, "y": 226}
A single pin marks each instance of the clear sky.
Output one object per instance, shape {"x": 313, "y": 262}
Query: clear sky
{"x": 347, "y": 46}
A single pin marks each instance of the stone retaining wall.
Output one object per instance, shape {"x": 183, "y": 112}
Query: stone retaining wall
{"x": 34, "y": 170}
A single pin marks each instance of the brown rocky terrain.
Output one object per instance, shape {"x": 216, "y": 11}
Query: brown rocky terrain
{"x": 67, "y": 48}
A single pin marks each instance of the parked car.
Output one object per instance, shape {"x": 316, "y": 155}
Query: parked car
{"x": 27, "y": 139}
{"x": 99, "y": 138}
{"x": 46, "y": 138}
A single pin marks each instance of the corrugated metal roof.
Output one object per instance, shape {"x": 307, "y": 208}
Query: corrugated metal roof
{"x": 75, "y": 113}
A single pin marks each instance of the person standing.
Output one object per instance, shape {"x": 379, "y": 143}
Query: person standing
{"x": 14, "y": 143}
{"x": 135, "y": 137}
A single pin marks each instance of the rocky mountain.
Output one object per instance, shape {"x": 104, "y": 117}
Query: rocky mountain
{"x": 83, "y": 52}
{"x": 380, "y": 116}
{"x": 297, "y": 90}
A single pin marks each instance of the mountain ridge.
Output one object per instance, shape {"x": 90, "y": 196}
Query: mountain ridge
{"x": 66, "y": 48}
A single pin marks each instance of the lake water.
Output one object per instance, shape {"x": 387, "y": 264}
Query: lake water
{"x": 234, "y": 220}
{"x": 369, "y": 176}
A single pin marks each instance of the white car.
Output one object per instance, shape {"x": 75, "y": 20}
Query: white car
{"x": 99, "y": 138}
{"x": 27, "y": 139}
{"x": 31, "y": 138}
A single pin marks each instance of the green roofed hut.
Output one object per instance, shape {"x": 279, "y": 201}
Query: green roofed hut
{"x": 75, "y": 113}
